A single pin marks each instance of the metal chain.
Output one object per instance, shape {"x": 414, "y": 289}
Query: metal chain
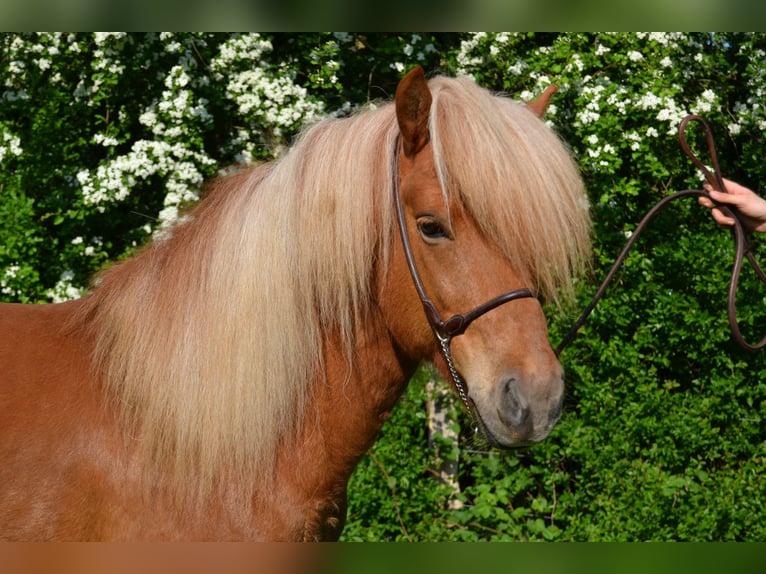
{"x": 456, "y": 378}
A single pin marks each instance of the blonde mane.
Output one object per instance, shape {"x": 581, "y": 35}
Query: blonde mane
{"x": 208, "y": 341}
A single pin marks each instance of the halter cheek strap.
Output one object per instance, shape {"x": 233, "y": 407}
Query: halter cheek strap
{"x": 445, "y": 330}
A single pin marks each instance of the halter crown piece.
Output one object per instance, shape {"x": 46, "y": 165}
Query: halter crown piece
{"x": 739, "y": 233}
{"x": 445, "y": 330}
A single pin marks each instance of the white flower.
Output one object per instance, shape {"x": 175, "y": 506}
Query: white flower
{"x": 267, "y": 99}
{"x": 64, "y": 290}
{"x": 635, "y": 56}
{"x": 11, "y": 271}
{"x": 168, "y": 215}
{"x": 649, "y": 101}
{"x": 587, "y": 116}
{"x": 634, "y": 139}
{"x": 577, "y": 63}
{"x": 601, "y": 49}
{"x": 13, "y": 96}
{"x": 103, "y": 37}
{"x": 661, "y": 37}
{"x": 104, "y": 140}
{"x": 82, "y": 90}
{"x": 704, "y": 103}
{"x": 9, "y": 143}
{"x": 8, "y": 275}
{"x": 464, "y": 58}
{"x": 148, "y": 118}
{"x": 672, "y": 114}
{"x": 114, "y": 180}
{"x": 517, "y": 68}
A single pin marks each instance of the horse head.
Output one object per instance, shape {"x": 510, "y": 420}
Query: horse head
{"x": 501, "y": 363}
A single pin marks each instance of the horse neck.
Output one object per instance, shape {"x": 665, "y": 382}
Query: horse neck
{"x": 358, "y": 395}
{"x": 351, "y": 402}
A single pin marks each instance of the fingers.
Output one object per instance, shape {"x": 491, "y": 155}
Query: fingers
{"x": 733, "y": 189}
{"x": 726, "y": 198}
{"x": 751, "y": 206}
{"x": 722, "y": 219}
{"x": 718, "y": 197}
{"x": 717, "y": 214}
{"x": 735, "y": 195}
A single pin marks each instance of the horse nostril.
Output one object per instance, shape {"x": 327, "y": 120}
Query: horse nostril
{"x": 513, "y": 409}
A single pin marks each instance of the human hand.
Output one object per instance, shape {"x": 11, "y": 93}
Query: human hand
{"x": 750, "y": 205}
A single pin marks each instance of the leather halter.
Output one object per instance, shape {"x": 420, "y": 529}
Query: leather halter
{"x": 445, "y": 330}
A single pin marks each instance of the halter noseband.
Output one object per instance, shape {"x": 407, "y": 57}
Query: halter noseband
{"x": 445, "y": 330}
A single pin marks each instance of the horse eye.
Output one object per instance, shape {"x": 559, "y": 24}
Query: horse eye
{"x": 431, "y": 229}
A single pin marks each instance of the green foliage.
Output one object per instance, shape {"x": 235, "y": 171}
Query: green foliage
{"x": 663, "y": 436}
{"x": 395, "y": 487}
{"x": 105, "y": 137}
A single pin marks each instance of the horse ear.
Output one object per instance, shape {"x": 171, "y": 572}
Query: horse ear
{"x": 540, "y": 103}
{"x": 413, "y": 105}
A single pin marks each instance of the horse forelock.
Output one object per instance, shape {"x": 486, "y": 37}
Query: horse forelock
{"x": 516, "y": 179}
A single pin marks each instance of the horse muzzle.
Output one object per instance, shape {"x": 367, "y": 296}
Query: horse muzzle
{"x": 520, "y": 409}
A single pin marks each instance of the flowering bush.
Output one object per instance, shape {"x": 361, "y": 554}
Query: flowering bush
{"x": 104, "y": 138}
{"x": 663, "y": 432}
{"x": 124, "y": 128}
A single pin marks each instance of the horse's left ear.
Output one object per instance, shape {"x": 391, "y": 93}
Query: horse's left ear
{"x": 413, "y": 105}
{"x": 540, "y": 103}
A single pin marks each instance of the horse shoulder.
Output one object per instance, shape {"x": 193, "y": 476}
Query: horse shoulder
{"x": 54, "y": 432}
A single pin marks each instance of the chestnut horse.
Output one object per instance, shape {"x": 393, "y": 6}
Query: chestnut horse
{"x": 224, "y": 383}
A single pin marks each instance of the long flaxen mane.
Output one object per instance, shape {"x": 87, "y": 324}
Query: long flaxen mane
{"x": 208, "y": 341}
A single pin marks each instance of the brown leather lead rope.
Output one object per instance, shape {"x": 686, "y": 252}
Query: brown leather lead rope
{"x": 739, "y": 233}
